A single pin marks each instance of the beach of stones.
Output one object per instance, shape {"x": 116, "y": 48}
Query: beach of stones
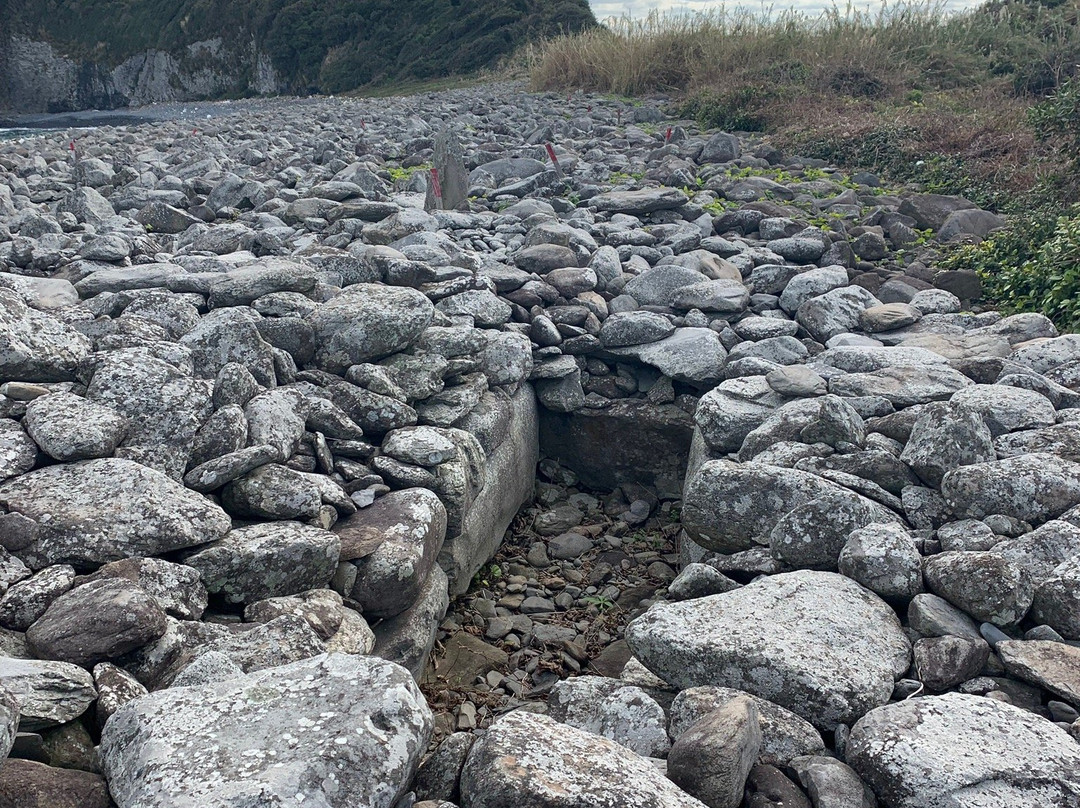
{"x": 487, "y": 449}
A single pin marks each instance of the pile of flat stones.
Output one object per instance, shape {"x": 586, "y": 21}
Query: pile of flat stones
{"x": 274, "y": 384}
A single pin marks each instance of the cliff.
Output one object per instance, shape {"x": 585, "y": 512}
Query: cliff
{"x": 64, "y": 55}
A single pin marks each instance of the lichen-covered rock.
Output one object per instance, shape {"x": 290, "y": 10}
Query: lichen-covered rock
{"x": 35, "y": 347}
{"x": 366, "y": 322}
{"x": 531, "y": 761}
{"x": 49, "y": 693}
{"x": 97, "y": 511}
{"x": 267, "y": 560}
{"x": 612, "y": 709}
{"x": 97, "y": 621}
{"x": 967, "y": 751}
{"x": 1033, "y": 488}
{"x": 784, "y": 735}
{"x": 334, "y": 730}
{"x": 985, "y": 585}
{"x": 829, "y": 652}
{"x": 68, "y": 427}
{"x": 18, "y": 454}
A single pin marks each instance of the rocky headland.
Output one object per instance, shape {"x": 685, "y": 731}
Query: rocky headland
{"x": 493, "y": 449}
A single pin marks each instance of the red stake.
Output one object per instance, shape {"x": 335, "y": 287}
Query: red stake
{"x": 435, "y": 186}
{"x": 554, "y": 159}
{"x": 363, "y": 124}
{"x": 667, "y": 137}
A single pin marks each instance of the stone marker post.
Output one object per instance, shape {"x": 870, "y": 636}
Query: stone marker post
{"x": 453, "y": 180}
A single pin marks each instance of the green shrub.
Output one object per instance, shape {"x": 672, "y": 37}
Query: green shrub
{"x": 1031, "y": 265}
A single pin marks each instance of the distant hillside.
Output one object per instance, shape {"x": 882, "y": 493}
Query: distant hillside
{"x": 72, "y": 54}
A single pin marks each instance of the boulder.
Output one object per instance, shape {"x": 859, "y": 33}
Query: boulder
{"x": 97, "y": 511}
{"x": 830, "y": 651}
{"x": 531, "y": 761}
{"x": 964, "y": 750}
{"x": 333, "y": 730}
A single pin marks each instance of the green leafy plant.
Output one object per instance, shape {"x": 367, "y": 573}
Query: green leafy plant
{"x": 600, "y": 602}
{"x": 1031, "y": 265}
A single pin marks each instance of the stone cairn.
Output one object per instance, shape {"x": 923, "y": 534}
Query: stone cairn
{"x": 270, "y": 402}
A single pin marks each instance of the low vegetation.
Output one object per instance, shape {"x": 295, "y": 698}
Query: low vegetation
{"x": 983, "y": 103}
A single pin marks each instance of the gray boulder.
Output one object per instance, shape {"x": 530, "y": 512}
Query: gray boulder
{"x": 612, "y": 709}
{"x": 784, "y": 735}
{"x": 964, "y": 751}
{"x": 34, "y": 346}
{"x": 48, "y": 693}
{"x": 1033, "y": 488}
{"x": 986, "y": 586}
{"x": 68, "y": 427}
{"x": 97, "y": 621}
{"x": 531, "y": 761}
{"x": 333, "y": 730}
{"x": 367, "y": 322}
{"x": 267, "y": 560}
{"x": 712, "y": 758}
{"x": 830, "y": 651}
{"x": 97, "y": 511}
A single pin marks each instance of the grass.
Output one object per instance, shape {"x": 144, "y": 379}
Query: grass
{"x": 909, "y": 91}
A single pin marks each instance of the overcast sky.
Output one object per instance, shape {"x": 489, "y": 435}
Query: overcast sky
{"x": 639, "y": 8}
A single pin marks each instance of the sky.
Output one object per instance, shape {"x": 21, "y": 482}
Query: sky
{"x": 640, "y": 8}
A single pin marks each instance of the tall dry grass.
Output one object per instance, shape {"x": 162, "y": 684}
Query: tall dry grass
{"x": 907, "y": 84}
{"x": 902, "y": 44}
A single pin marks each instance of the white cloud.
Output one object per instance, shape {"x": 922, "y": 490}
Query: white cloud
{"x": 640, "y": 8}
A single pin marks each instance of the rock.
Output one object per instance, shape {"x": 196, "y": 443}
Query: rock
{"x": 946, "y": 437}
{"x": 964, "y": 750}
{"x": 944, "y": 662}
{"x": 634, "y": 328}
{"x": 367, "y": 322}
{"x": 1057, "y": 600}
{"x": 1006, "y": 409}
{"x": 164, "y": 406}
{"x": 720, "y": 148}
{"x": 27, "y": 600}
{"x": 1033, "y": 488}
{"x": 692, "y": 355}
{"x": 830, "y": 652}
{"x": 438, "y": 775}
{"x": 784, "y": 735}
{"x": 931, "y": 211}
{"x": 391, "y": 576}
{"x": 48, "y": 693}
{"x": 87, "y": 206}
{"x": 1053, "y": 666}
{"x": 531, "y": 761}
{"x": 18, "y": 454}
{"x": 885, "y": 559}
{"x": 272, "y": 492}
{"x": 9, "y": 720}
{"x": 888, "y": 317}
{"x": 611, "y": 709}
{"x": 830, "y": 782}
{"x": 408, "y": 638}
{"x": 979, "y": 223}
{"x": 983, "y": 584}
{"x": 646, "y": 200}
{"x": 276, "y": 418}
{"x": 767, "y": 787}
{"x": 227, "y": 336}
{"x": 337, "y": 730}
{"x": 836, "y": 312}
{"x": 720, "y": 514}
{"x": 29, "y": 784}
{"x": 813, "y": 534}
{"x": 932, "y": 616}
{"x": 116, "y": 687}
{"x": 902, "y": 386}
{"x": 712, "y": 758}
{"x": 97, "y": 511}
{"x": 99, "y": 620}
{"x": 699, "y": 581}
{"x": 267, "y": 560}
{"x": 68, "y": 427}
{"x": 35, "y": 346}
{"x": 659, "y": 285}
